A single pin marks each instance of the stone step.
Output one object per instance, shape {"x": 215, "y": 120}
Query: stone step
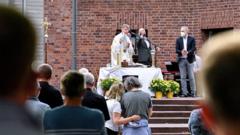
{"x": 168, "y": 120}
{"x": 178, "y": 100}
{"x": 169, "y": 128}
{"x": 170, "y": 116}
{"x": 174, "y": 107}
{"x": 171, "y": 113}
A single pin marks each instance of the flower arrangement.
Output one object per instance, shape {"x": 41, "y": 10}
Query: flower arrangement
{"x": 159, "y": 85}
{"x": 107, "y": 83}
{"x": 174, "y": 86}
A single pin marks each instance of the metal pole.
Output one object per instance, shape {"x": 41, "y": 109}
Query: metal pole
{"x": 74, "y": 34}
{"x": 23, "y": 6}
{"x": 45, "y": 49}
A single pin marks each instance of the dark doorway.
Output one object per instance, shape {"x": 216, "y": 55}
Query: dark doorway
{"x": 133, "y": 38}
{"x": 208, "y": 33}
{"x": 133, "y": 32}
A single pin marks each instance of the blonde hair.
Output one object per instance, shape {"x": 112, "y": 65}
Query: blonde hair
{"x": 220, "y": 75}
{"x": 116, "y": 91}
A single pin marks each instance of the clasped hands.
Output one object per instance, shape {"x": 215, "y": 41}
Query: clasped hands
{"x": 184, "y": 52}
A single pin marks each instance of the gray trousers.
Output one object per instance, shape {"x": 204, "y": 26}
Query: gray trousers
{"x": 187, "y": 69}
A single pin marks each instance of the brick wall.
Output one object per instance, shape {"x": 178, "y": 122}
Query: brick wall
{"x": 99, "y": 19}
{"x": 59, "y": 42}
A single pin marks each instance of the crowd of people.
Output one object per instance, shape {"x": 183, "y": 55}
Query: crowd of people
{"x": 122, "y": 50}
{"x": 30, "y": 105}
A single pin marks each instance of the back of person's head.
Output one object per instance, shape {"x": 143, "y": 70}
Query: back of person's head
{"x": 72, "y": 84}
{"x": 18, "y": 43}
{"x": 220, "y": 75}
{"x": 45, "y": 71}
{"x": 89, "y": 79}
{"x": 132, "y": 82}
{"x": 116, "y": 91}
{"x": 83, "y": 70}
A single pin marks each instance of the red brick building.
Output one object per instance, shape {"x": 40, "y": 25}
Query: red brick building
{"x": 98, "y": 21}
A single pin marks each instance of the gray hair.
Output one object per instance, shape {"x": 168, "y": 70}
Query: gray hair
{"x": 132, "y": 82}
{"x": 89, "y": 78}
{"x": 83, "y": 70}
{"x": 125, "y": 26}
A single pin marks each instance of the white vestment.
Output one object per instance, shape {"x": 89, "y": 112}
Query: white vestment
{"x": 120, "y": 50}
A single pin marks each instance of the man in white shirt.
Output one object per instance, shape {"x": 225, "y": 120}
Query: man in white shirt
{"x": 121, "y": 48}
{"x": 185, "y": 49}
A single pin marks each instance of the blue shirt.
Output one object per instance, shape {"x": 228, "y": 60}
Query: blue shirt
{"x": 37, "y": 108}
{"x": 15, "y": 120}
{"x": 74, "y": 120}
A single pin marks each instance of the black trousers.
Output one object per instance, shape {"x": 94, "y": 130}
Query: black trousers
{"x": 110, "y": 132}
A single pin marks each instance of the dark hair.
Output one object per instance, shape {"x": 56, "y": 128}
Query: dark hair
{"x": 17, "y": 49}
{"x": 72, "y": 84}
{"x": 45, "y": 71}
{"x": 221, "y": 76}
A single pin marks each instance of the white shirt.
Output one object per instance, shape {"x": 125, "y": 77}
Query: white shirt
{"x": 146, "y": 41}
{"x": 113, "y": 106}
{"x": 185, "y": 45}
{"x": 37, "y": 108}
{"x": 117, "y": 49}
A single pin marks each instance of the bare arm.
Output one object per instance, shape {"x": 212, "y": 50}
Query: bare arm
{"x": 150, "y": 112}
{"x": 118, "y": 120}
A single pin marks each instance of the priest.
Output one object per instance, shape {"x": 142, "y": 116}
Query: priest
{"x": 121, "y": 49}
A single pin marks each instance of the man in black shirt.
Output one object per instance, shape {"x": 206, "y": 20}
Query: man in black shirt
{"x": 48, "y": 94}
{"x": 93, "y": 100}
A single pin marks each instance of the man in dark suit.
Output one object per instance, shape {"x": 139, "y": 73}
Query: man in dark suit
{"x": 185, "y": 49}
{"x": 93, "y": 100}
{"x": 48, "y": 94}
{"x": 144, "y": 48}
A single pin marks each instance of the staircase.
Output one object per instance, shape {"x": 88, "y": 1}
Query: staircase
{"x": 170, "y": 116}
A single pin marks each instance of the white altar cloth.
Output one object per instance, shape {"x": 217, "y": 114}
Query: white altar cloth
{"x": 145, "y": 75}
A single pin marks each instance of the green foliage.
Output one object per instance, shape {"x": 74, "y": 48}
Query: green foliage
{"x": 174, "y": 86}
{"x": 164, "y": 86}
{"x": 107, "y": 83}
{"x": 159, "y": 85}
